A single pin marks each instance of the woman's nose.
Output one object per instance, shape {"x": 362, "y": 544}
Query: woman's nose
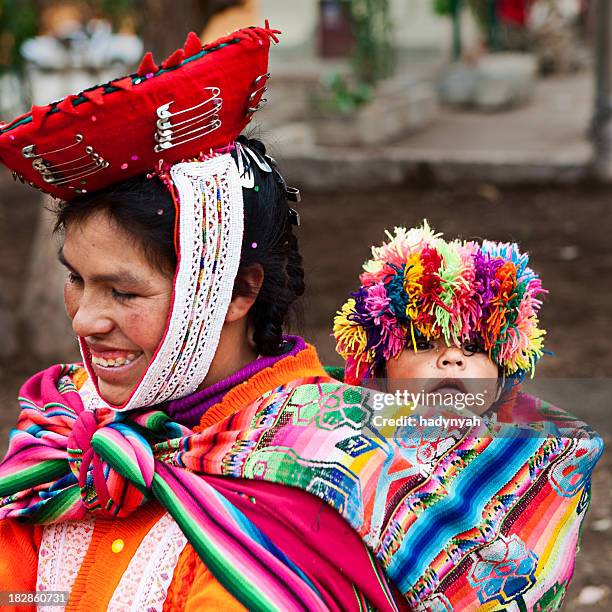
{"x": 451, "y": 356}
{"x": 90, "y": 318}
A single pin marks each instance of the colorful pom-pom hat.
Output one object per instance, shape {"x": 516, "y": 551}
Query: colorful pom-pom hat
{"x": 179, "y": 121}
{"x": 419, "y": 286}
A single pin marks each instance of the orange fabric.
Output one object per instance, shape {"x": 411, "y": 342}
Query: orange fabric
{"x": 79, "y": 377}
{"x": 102, "y": 568}
{"x": 305, "y": 363}
{"x": 182, "y": 579}
{"x": 194, "y": 588}
{"x": 19, "y": 559}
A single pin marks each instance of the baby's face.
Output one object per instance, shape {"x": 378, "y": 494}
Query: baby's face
{"x": 438, "y": 367}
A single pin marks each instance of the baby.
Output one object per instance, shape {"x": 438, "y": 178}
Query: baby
{"x": 492, "y": 519}
{"x": 456, "y": 316}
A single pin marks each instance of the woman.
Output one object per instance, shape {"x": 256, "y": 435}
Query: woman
{"x": 448, "y": 321}
{"x": 158, "y": 475}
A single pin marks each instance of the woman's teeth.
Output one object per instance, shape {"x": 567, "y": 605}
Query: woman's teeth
{"x": 114, "y": 363}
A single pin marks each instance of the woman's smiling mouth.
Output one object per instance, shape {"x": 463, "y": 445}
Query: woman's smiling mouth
{"x": 114, "y": 365}
{"x": 116, "y": 362}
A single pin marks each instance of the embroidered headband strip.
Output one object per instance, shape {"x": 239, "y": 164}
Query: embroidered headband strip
{"x": 418, "y": 285}
{"x": 211, "y": 228}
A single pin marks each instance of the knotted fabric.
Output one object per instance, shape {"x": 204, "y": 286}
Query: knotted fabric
{"x": 64, "y": 462}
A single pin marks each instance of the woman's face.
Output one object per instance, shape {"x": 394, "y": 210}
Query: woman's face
{"x": 117, "y": 300}
{"x": 438, "y": 367}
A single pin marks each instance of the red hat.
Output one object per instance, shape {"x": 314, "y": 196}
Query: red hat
{"x": 201, "y": 98}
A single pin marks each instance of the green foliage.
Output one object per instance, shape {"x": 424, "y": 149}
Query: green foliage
{"x": 482, "y": 13}
{"x": 373, "y": 58}
{"x": 443, "y": 7}
{"x": 18, "y": 22}
{"x": 343, "y": 97}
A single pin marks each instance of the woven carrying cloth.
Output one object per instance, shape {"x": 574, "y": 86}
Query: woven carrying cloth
{"x": 457, "y": 520}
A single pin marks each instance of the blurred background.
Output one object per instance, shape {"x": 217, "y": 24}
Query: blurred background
{"x": 490, "y": 118}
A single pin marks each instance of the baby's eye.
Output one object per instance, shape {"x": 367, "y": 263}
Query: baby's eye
{"x": 472, "y": 347}
{"x": 423, "y": 345}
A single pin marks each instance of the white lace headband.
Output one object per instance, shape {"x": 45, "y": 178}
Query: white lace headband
{"x": 211, "y": 225}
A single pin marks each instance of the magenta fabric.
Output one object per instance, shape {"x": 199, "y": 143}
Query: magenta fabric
{"x": 316, "y": 538}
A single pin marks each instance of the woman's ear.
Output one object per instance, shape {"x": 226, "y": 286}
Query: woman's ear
{"x": 246, "y": 289}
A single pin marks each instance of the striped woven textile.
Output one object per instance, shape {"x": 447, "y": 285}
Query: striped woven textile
{"x": 484, "y": 517}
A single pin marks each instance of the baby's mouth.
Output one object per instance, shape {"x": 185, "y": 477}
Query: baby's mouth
{"x": 449, "y": 385}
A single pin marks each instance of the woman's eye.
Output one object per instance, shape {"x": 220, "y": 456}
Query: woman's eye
{"x": 74, "y": 279}
{"x": 120, "y": 295}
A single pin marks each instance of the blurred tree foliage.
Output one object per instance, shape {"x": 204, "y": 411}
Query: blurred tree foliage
{"x": 19, "y": 20}
{"x": 374, "y": 54}
{"x": 163, "y": 24}
{"x": 443, "y": 7}
{"x": 485, "y": 14}
{"x": 452, "y": 9}
{"x": 342, "y": 96}
{"x": 373, "y": 59}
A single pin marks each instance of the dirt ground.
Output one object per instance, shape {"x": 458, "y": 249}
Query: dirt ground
{"x": 567, "y": 232}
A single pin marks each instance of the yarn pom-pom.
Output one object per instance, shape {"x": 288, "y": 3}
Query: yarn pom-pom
{"x": 418, "y": 285}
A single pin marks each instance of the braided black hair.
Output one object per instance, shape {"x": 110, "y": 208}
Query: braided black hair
{"x": 269, "y": 241}
{"x": 144, "y": 208}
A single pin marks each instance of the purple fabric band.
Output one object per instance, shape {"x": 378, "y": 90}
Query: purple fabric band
{"x": 189, "y": 410}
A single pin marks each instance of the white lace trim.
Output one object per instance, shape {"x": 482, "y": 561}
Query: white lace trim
{"x": 211, "y": 226}
{"x": 145, "y": 582}
{"x": 62, "y": 550}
